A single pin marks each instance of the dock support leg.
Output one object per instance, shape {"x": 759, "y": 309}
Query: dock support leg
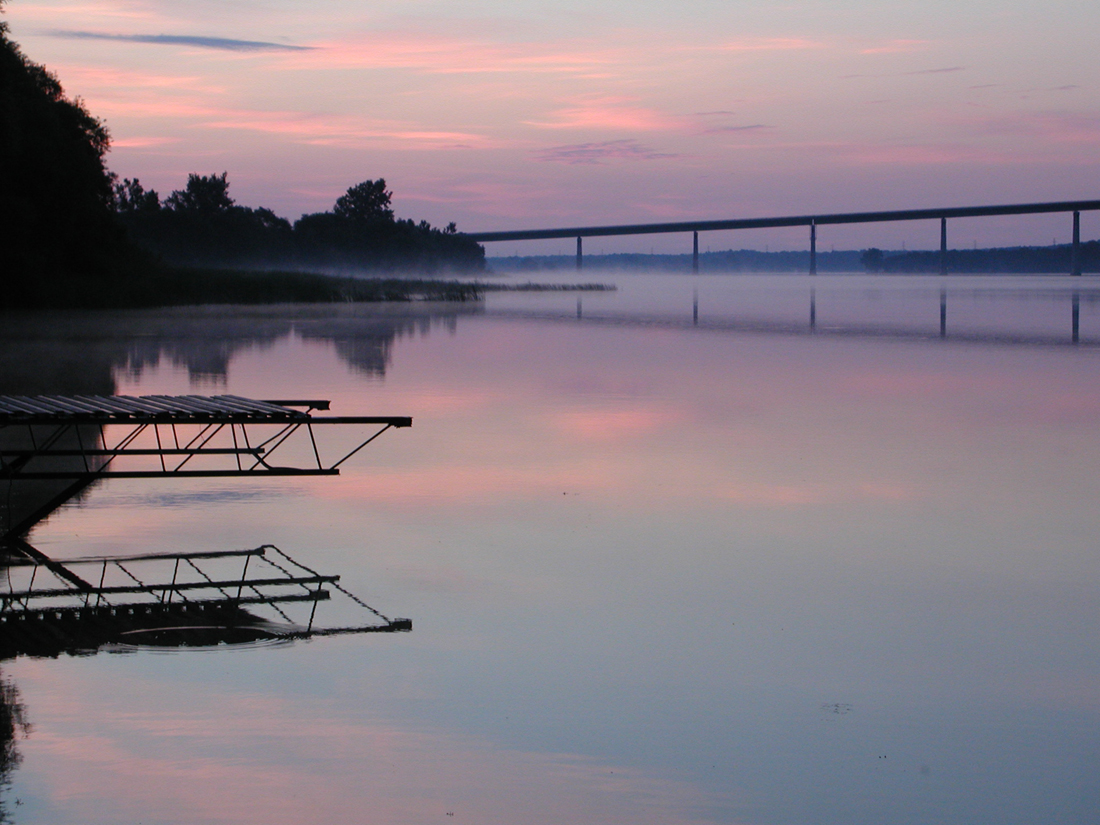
{"x": 1075, "y": 256}
{"x": 813, "y": 247}
{"x": 695, "y": 252}
{"x": 580, "y": 259}
{"x": 943, "y": 246}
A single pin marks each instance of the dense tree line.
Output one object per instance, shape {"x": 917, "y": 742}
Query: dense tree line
{"x": 1016, "y": 259}
{"x": 201, "y": 225}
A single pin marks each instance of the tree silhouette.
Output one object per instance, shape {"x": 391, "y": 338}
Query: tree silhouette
{"x": 207, "y": 194}
{"x": 57, "y": 232}
{"x": 131, "y": 197}
{"x": 366, "y": 201}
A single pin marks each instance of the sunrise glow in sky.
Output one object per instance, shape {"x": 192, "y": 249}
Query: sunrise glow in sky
{"x": 537, "y": 113}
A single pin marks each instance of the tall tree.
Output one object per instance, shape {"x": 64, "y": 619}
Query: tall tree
{"x": 57, "y": 230}
{"x": 366, "y": 201}
{"x": 208, "y": 194}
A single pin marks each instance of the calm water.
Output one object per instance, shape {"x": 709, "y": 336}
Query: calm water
{"x": 664, "y": 564}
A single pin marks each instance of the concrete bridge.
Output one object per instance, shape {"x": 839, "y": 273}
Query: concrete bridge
{"x": 811, "y": 221}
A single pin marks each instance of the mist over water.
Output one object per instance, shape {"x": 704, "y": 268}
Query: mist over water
{"x": 732, "y": 549}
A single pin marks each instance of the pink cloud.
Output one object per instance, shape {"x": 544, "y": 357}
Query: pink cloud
{"x": 444, "y": 55}
{"x": 897, "y": 47}
{"x": 109, "y": 79}
{"x": 768, "y": 44}
{"x": 611, "y": 113}
{"x": 303, "y": 127}
{"x": 329, "y": 130}
{"x": 66, "y": 12}
{"x": 138, "y": 142}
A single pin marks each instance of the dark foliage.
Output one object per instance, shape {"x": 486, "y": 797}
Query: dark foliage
{"x": 1019, "y": 259}
{"x": 179, "y": 286}
{"x": 202, "y": 226}
{"x": 872, "y": 259}
{"x": 13, "y": 724}
{"x": 366, "y": 201}
{"x": 56, "y": 224}
{"x": 212, "y": 286}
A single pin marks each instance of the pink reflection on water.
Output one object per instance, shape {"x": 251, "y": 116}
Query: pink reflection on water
{"x": 129, "y": 749}
{"x": 613, "y": 425}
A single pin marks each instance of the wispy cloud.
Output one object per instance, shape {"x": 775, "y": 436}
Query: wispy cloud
{"x": 896, "y": 47}
{"x": 768, "y": 44}
{"x": 943, "y": 70}
{"x": 220, "y": 43}
{"x": 109, "y": 81}
{"x": 454, "y": 55}
{"x": 618, "y": 113}
{"x": 139, "y": 142}
{"x": 752, "y": 127}
{"x": 597, "y": 153}
{"x": 309, "y": 128}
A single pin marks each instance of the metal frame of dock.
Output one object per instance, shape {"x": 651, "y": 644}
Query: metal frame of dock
{"x": 173, "y": 598}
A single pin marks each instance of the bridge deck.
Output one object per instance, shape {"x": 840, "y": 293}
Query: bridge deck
{"x": 788, "y": 220}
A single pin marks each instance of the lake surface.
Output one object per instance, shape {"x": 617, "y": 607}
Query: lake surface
{"x": 676, "y": 554}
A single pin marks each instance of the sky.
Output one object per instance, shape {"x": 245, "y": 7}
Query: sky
{"x": 534, "y": 113}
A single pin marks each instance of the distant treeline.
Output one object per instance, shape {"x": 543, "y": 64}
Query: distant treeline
{"x": 1020, "y": 259}
{"x": 200, "y": 225}
{"x": 1013, "y": 259}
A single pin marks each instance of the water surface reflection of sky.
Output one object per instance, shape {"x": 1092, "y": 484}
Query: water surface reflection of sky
{"x": 656, "y": 573}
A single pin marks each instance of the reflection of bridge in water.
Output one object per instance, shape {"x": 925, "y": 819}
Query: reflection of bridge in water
{"x": 724, "y": 319}
{"x": 53, "y": 448}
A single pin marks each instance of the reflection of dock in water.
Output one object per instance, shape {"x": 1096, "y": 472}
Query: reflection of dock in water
{"x": 56, "y": 447}
{"x": 170, "y": 600}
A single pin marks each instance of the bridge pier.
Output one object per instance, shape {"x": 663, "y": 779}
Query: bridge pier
{"x": 813, "y": 246}
{"x": 943, "y": 246}
{"x": 580, "y": 258}
{"x": 943, "y": 313}
{"x": 1076, "y": 319}
{"x": 1075, "y": 255}
{"x": 695, "y": 252}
